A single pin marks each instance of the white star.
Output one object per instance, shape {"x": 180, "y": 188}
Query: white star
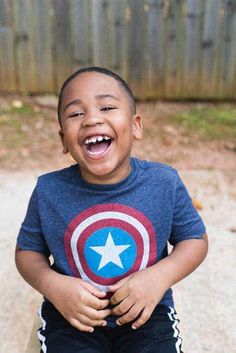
{"x": 110, "y": 252}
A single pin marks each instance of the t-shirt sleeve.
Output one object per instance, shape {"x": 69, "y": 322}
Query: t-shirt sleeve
{"x": 30, "y": 236}
{"x": 186, "y": 222}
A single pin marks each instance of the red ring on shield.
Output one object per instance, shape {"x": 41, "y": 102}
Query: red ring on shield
{"x": 88, "y": 222}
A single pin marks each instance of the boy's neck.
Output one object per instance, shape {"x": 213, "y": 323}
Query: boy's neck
{"x": 114, "y": 178}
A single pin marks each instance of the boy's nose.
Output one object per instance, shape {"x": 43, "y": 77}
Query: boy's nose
{"x": 92, "y": 120}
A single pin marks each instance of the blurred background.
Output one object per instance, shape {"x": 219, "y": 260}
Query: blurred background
{"x": 179, "y": 57}
{"x": 164, "y": 48}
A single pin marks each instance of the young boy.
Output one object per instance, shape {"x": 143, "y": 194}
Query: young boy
{"x": 106, "y": 221}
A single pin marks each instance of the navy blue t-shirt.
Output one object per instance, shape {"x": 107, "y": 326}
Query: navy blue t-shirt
{"x": 102, "y": 233}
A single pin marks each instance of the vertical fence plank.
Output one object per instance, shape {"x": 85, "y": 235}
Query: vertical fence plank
{"x": 24, "y": 42}
{"x": 62, "y": 39}
{"x": 155, "y": 49}
{"x": 120, "y": 22}
{"x": 109, "y": 34}
{"x": 7, "y": 61}
{"x": 81, "y": 33}
{"x": 192, "y": 48}
{"x": 210, "y": 49}
{"x": 228, "y": 51}
{"x": 137, "y": 47}
{"x": 232, "y": 94}
{"x": 175, "y": 49}
{"x": 103, "y": 33}
{"x": 42, "y": 45}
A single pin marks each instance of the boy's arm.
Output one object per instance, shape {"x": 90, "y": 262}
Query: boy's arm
{"x": 79, "y": 302}
{"x": 137, "y": 295}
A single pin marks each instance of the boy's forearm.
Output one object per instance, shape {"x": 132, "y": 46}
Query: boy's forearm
{"x": 34, "y": 267}
{"x": 185, "y": 257}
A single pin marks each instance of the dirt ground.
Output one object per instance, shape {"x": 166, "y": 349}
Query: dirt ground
{"x": 205, "y": 301}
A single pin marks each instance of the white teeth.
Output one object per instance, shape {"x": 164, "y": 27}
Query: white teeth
{"x": 94, "y": 153}
{"x": 95, "y": 139}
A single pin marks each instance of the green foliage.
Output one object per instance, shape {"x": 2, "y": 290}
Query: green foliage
{"x": 213, "y": 122}
{"x": 18, "y": 124}
{"x": 11, "y": 120}
{"x": 21, "y": 108}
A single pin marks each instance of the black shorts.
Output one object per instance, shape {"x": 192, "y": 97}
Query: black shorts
{"x": 158, "y": 335}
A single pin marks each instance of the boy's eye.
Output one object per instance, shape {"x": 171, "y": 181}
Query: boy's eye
{"x": 72, "y": 115}
{"x": 107, "y": 108}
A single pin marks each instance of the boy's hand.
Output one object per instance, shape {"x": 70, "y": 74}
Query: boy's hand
{"x": 139, "y": 293}
{"x": 80, "y": 303}
{"x": 136, "y": 296}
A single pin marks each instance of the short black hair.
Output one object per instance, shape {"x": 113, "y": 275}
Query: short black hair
{"x": 101, "y": 70}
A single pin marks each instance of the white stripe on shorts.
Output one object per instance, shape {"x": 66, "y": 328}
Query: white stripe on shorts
{"x": 173, "y": 318}
{"x": 41, "y": 337}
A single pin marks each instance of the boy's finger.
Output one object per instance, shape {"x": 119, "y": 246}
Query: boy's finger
{"x": 131, "y": 315}
{"x": 119, "y": 284}
{"x": 96, "y": 303}
{"x": 89, "y": 322}
{"x": 119, "y": 295}
{"x": 79, "y": 326}
{"x": 144, "y": 316}
{"x": 96, "y": 314}
{"x": 93, "y": 290}
{"x": 123, "y": 307}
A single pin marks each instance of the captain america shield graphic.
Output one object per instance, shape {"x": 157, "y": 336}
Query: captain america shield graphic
{"x": 107, "y": 242}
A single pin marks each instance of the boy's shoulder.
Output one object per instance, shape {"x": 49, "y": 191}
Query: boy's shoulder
{"x": 57, "y": 175}
{"x": 157, "y": 168}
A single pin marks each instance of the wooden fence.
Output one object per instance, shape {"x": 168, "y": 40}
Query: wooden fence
{"x": 164, "y": 48}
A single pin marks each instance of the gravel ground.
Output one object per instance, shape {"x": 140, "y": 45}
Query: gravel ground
{"x": 205, "y": 301}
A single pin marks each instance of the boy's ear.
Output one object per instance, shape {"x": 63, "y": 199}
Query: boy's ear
{"x": 137, "y": 127}
{"x": 62, "y": 137}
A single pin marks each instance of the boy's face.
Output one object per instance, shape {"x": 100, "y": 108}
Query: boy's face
{"x": 98, "y": 127}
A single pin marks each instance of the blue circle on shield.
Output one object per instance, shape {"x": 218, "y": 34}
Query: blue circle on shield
{"x": 110, "y": 252}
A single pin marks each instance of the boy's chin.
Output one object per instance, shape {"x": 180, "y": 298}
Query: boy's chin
{"x": 102, "y": 174}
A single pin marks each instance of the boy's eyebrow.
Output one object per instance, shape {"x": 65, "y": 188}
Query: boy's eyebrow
{"x": 75, "y": 101}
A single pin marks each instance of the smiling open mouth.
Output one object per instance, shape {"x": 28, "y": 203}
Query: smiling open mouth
{"x": 97, "y": 145}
